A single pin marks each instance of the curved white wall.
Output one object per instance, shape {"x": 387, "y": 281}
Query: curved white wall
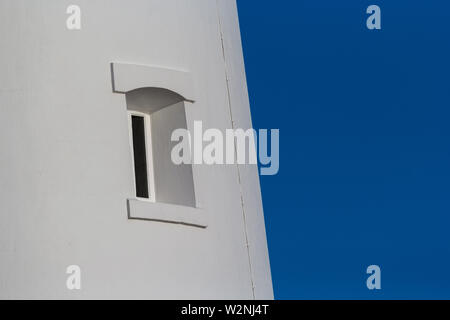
{"x": 65, "y": 161}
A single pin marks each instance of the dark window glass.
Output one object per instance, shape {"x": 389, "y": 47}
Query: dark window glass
{"x": 140, "y": 157}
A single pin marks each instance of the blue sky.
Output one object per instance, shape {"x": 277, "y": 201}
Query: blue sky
{"x": 365, "y": 144}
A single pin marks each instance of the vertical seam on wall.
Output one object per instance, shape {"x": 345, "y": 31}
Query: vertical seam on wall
{"x": 235, "y": 151}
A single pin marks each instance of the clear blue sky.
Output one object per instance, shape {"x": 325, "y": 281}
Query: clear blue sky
{"x": 365, "y": 144}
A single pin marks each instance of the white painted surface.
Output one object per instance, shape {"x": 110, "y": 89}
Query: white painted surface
{"x": 66, "y": 167}
{"x": 174, "y": 183}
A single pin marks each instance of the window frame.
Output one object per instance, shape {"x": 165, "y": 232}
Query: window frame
{"x": 149, "y": 154}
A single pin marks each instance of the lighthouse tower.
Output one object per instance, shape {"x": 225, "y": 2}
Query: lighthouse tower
{"x": 91, "y": 204}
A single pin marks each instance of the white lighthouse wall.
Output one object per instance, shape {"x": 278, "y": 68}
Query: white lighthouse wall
{"x": 65, "y": 162}
{"x": 248, "y": 174}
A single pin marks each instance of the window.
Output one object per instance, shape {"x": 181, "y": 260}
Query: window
{"x": 154, "y": 114}
{"x": 140, "y": 137}
{"x": 157, "y": 101}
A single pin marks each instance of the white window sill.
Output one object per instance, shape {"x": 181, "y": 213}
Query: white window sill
{"x": 140, "y": 209}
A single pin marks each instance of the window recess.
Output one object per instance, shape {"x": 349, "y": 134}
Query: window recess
{"x": 157, "y": 100}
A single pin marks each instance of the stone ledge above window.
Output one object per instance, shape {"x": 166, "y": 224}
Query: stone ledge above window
{"x": 167, "y": 213}
{"x": 127, "y": 77}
